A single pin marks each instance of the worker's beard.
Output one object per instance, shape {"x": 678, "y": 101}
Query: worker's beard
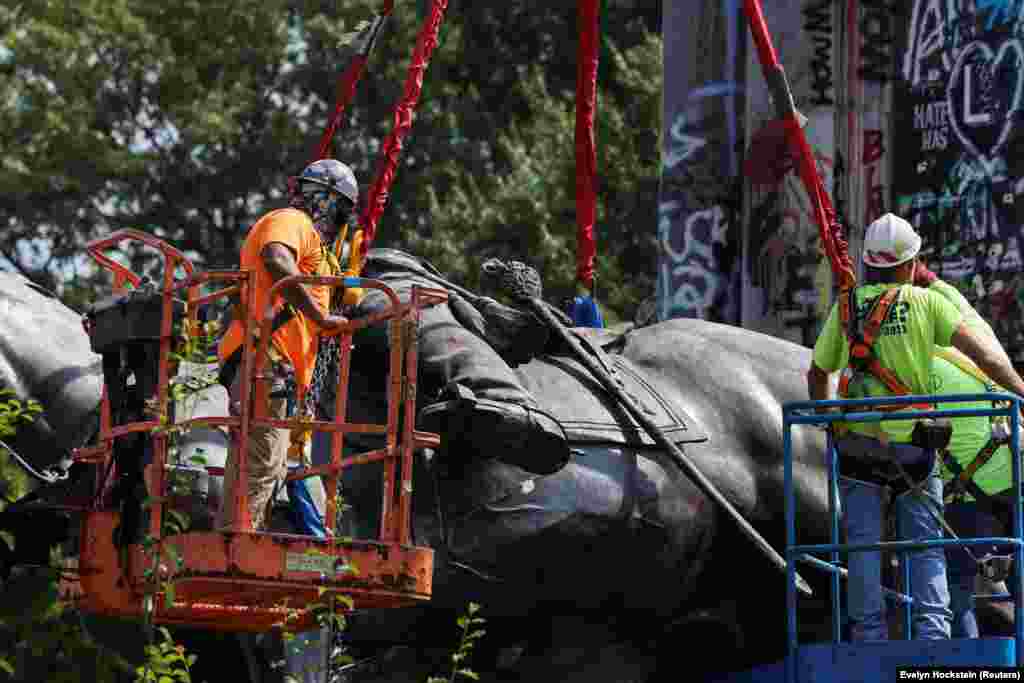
{"x": 323, "y": 207}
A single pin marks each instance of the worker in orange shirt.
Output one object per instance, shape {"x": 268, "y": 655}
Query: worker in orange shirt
{"x": 285, "y": 242}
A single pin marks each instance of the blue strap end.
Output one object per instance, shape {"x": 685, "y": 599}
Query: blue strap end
{"x": 585, "y": 313}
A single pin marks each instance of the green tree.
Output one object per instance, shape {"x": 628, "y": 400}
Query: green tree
{"x": 184, "y": 119}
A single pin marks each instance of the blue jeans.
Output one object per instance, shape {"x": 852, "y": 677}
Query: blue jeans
{"x": 968, "y": 520}
{"x": 863, "y": 522}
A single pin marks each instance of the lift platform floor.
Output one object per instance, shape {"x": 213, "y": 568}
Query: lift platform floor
{"x": 879, "y": 661}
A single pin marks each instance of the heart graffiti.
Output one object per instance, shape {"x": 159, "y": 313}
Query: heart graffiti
{"x": 984, "y": 95}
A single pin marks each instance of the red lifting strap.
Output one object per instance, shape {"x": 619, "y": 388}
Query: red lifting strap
{"x": 861, "y": 347}
{"x": 346, "y": 89}
{"x": 829, "y": 230}
{"x": 378, "y": 195}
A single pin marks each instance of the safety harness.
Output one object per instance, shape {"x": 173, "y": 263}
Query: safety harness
{"x": 349, "y": 297}
{"x": 963, "y": 477}
{"x": 862, "y": 359}
{"x": 861, "y": 336}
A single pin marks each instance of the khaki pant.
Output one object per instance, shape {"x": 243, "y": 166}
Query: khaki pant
{"x": 267, "y": 463}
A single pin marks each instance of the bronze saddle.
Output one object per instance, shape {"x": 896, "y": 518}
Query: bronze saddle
{"x": 588, "y": 413}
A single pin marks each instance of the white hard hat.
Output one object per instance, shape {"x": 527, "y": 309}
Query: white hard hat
{"x": 890, "y": 241}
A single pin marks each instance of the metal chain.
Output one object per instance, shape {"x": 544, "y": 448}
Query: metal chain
{"x": 327, "y": 361}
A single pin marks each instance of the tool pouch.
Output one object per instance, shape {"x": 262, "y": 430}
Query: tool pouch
{"x": 932, "y": 433}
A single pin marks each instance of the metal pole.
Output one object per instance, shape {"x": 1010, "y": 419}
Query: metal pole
{"x": 1018, "y": 531}
{"x": 833, "y": 515}
{"x": 908, "y": 614}
{"x": 242, "y": 520}
{"x": 389, "y": 514}
{"x": 790, "y": 507}
{"x": 842, "y": 573}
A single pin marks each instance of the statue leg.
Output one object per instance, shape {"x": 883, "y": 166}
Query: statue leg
{"x": 483, "y": 408}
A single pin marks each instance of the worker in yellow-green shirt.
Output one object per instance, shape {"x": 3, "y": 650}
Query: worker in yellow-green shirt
{"x": 895, "y": 328}
{"x": 978, "y": 505}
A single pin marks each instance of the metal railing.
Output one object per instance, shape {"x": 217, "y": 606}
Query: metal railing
{"x": 866, "y": 410}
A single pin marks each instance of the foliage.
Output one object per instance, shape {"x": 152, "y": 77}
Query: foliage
{"x": 469, "y": 632}
{"x": 330, "y": 607}
{"x": 166, "y": 662}
{"x": 165, "y": 659}
{"x": 169, "y": 118}
{"x": 196, "y": 343}
{"x": 33, "y": 619}
{"x": 13, "y": 412}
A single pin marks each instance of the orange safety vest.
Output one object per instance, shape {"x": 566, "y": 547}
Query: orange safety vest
{"x": 861, "y": 338}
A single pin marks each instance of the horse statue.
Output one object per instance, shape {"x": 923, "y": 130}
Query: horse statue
{"x": 617, "y": 566}
{"x": 620, "y": 534}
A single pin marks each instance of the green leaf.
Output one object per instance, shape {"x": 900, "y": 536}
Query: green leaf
{"x": 180, "y": 521}
{"x": 468, "y": 673}
{"x": 169, "y": 593}
{"x": 6, "y": 666}
{"x": 172, "y": 553}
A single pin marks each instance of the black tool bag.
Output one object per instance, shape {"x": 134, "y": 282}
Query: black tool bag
{"x": 127, "y": 318}
{"x": 932, "y": 433}
{"x": 872, "y": 463}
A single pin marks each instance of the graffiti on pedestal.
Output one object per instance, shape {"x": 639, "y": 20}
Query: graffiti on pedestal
{"x": 699, "y": 203}
{"x": 785, "y": 257}
{"x": 873, "y": 157}
{"x": 877, "y": 22}
{"x": 817, "y": 17}
{"x": 959, "y": 157}
{"x": 697, "y": 214}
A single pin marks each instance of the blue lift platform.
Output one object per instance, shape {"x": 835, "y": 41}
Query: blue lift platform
{"x": 847, "y": 662}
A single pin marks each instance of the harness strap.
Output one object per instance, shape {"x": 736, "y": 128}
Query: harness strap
{"x": 962, "y": 482}
{"x": 861, "y": 341}
{"x": 878, "y": 314}
{"x": 983, "y": 456}
{"x": 963, "y": 477}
